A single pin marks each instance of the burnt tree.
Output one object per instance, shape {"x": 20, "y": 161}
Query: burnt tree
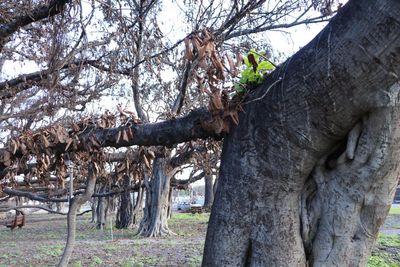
{"x": 308, "y": 175}
{"x": 154, "y": 222}
{"x": 208, "y": 191}
{"x": 125, "y": 206}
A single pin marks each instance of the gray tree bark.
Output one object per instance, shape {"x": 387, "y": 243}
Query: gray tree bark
{"x": 208, "y": 191}
{"x": 102, "y": 210}
{"x": 76, "y": 202}
{"x": 125, "y": 209}
{"x": 308, "y": 175}
{"x": 155, "y": 218}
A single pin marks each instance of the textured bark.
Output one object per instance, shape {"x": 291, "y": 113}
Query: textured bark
{"x": 209, "y": 192}
{"x": 344, "y": 206}
{"x": 138, "y": 208}
{"x": 154, "y": 222}
{"x": 169, "y": 209}
{"x": 40, "y": 12}
{"x": 76, "y": 202}
{"x": 101, "y": 210}
{"x": 125, "y": 209}
{"x": 345, "y": 74}
{"x": 93, "y": 205}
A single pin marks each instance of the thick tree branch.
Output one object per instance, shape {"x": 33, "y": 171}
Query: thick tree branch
{"x": 198, "y": 124}
{"x": 195, "y": 125}
{"x": 39, "y": 13}
{"x": 32, "y": 196}
{"x": 43, "y": 208}
{"x": 183, "y": 183}
{"x": 63, "y": 192}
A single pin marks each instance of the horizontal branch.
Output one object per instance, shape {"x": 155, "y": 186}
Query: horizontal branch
{"x": 183, "y": 183}
{"x": 32, "y": 196}
{"x": 40, "y": 12}
{"x": 46, "y": 209}
{"x": 45, "y": 198}
{"x": 253, "y": 30}
{"x": 10, "y": 88}
{"x": 195, "y": 125}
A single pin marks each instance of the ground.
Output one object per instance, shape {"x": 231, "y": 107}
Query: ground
{"x": 41, "y": 242}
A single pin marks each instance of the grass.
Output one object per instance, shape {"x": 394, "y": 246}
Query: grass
{"x": 394, "y": 210}
{"x": 77, "y": 264}
{"x": 197, "y": 217}
{"x": 195, "y": 261}
{"x": 381, "y": 260}
{"x": 391, "y": 241}
{"x": 110, "y": 248}
{"x": 52, "y": 250}
{"x": 96, "y": 262}
{"x": 178, "y": 220}
{"x": 131, "y": 263}
{"x": 185, "y": 249}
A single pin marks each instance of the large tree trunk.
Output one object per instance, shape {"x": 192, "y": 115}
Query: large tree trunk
{"x": 308, "y": 175}
{"x": 154, "y": 222}
{"x": 208, "y": 191}
{"x": 125, "y": 209}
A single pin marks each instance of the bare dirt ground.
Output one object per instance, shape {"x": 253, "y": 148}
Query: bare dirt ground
{"x": 41, "y": 242}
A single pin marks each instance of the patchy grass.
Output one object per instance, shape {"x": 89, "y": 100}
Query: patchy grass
{"x": 387, "y": 251}
{"x": 389, "y": 241}
{"x": 394, "y": 210}
{"x": 96, "y": 261}
{"x": 179, "y": 220}
{"x": 41, "y": 243}
{"x": 381, "y": 260}
{"x": 52, "y": 250}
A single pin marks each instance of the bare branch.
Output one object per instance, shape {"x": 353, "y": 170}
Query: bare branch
{"x": 39, "y": 13}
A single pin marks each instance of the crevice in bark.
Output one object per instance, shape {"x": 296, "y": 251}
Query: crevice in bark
{"x": 346, "y": 200}
{"x": 249, "y": 252}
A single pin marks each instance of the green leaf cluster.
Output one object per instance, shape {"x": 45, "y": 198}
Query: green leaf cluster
{"x": 254, "y": 72}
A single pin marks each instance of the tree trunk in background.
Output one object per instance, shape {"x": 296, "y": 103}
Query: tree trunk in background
{"x": 76, "y": 202}
{"x": 208, "y": 191}
{"x": 138, "y": 208}
{"x": 59, "y": 206}
{"x": 93, "y": 205}
{"x": 154, "y": 222}
{"x": 308, "y": 175}
{"x": 125, "y": 209}
{"x": 102, "y": 209}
